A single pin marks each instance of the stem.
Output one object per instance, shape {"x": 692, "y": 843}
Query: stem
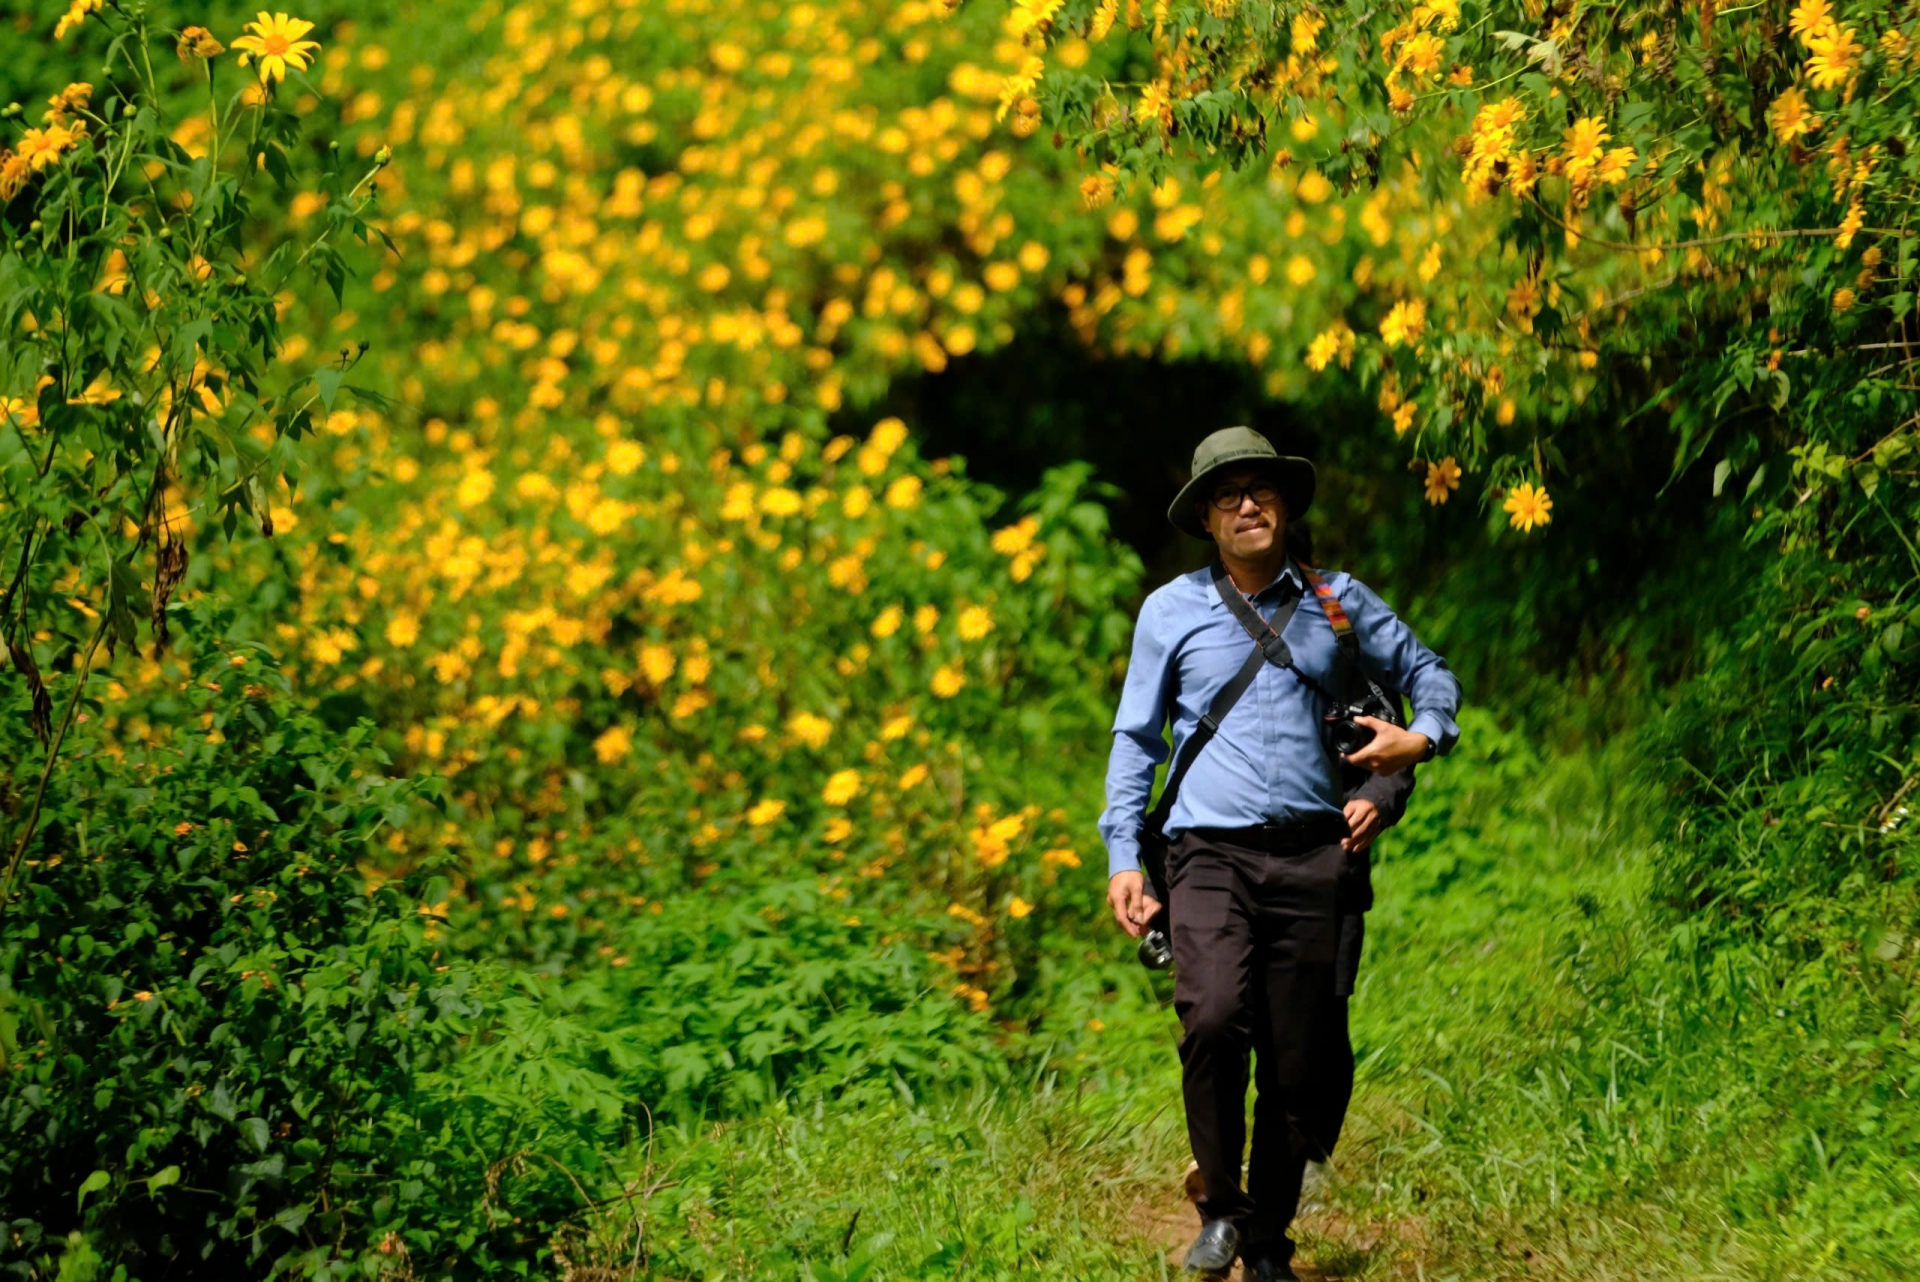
{"x": 53, "y": 754}
{"x": 1758, "y": 234}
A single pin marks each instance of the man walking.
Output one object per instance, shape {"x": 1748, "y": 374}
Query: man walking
{"x": 1265, "y": 849}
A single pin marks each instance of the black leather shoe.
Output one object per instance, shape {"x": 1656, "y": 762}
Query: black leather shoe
{"x": 1269, "y": 1269}
{"x": 1212, "y": 1253}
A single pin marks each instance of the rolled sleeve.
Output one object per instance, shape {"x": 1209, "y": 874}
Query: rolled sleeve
{"x": 1401, "y": 660}
{"x": 1138, "y": 745}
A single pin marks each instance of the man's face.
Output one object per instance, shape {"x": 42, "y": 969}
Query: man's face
{"x": 1255, "y": 515}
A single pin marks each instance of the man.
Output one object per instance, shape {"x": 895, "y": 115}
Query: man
{"x": 1264, "y": 841}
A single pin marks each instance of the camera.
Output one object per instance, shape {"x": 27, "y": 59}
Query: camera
{"x": 1344, "y": 734}
{"x": 1156, "y": 950}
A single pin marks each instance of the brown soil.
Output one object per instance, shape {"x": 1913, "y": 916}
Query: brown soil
{"x": 1333, "y": 1246}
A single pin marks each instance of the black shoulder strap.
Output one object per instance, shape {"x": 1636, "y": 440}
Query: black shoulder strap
{"x": 1202, "y": 735}
{"x": 1265, "y": 635}
{"x": 1271, "y": 649}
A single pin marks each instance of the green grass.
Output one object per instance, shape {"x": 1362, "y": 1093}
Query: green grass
{"x": 1549, "y": 1084}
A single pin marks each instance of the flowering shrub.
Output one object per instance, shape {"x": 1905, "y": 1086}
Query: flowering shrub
{"x": 138, "y": 387}
{"x": 1558, "y": 209}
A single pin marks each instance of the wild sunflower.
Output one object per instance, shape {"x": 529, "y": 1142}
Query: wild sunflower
{"x": 1528, "y": 506}
{"x": 1443, "y": 478}
{"x": 1790, "y": 116}
{"x": 275, "y": 40}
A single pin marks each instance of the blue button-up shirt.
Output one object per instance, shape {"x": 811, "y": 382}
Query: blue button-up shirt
{"x": 1268, "y": 760}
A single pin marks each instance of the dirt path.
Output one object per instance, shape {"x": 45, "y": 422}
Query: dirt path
{"x": 1333, "y": 1246}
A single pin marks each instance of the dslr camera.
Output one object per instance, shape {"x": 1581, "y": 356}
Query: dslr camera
{"x": 1343, "y": 734}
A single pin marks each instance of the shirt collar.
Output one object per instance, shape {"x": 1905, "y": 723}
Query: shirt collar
{"x": 1289, "y": 574}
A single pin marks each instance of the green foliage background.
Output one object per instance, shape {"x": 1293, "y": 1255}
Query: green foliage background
{"x": 467, "y": 895}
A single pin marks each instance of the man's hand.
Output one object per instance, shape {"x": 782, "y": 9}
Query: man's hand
{"x": 1364, "y": 821}
{"x": 1133, "y": 907}
{"x": 1390, "y": 750}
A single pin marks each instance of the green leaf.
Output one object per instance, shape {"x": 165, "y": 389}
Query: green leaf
{"x": 163, "y": 1178}
{"x": 92, "y": 1184}
{"x": 327, "y": 380}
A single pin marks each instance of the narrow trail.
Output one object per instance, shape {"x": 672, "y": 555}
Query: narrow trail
{"x": 1333, "y": 1247}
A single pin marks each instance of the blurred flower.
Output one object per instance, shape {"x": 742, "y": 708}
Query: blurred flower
{"x": 838, "y": 828}
{"x": 656, "y": 663}
{"x": 888, "y": 622}
{"x": 904, "y": 492}
{"x": 275, "y": 41}
{"x": 198, "y": 43}
{"x": 1527, "y": 506}
{"x": 403, "y": 628}
{"x": 1443, "y": 478}
{"x": 842, "y": 785}
{"x": 895, "y": 727}
{"x": 1843, "y": 299}
{"x": 765, "y": 812}
{"x": 613, "y": 744}
{"x": 1836, "y": 54}
{"x": 975, "y": 622}
{"x": 1403, "y": 418}
{"x": 1404, "y": 323}
{"x": 77, "y": 11}
{"x": 814, "y": 731}
{"x": 913, "y": 777}
{"x": 1018, "y": 907}
{"x": 947, "y": 682}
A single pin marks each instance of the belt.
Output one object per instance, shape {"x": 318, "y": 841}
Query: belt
{"x": 1280, "y": 836}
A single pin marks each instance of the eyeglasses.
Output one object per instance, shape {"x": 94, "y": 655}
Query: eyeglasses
{"x": 1227, "y": 497}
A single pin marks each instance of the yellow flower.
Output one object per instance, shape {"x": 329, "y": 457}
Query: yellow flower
{"x": 1062, "y": 855}
{"x": 1527, "y": 506}
{"x": 1010, "y": 540}
{"x": 781, "y": 501}
{"x": 839, "y": 828}
{"x": 904, "y": 492}
{"x": 841, "y": 787}
{"x": 896, "y": 727}
{"x": 1790, "y": 116}
{"x": 656, "y": 663}
{"x": 1504, "y": 414}
{"x": 475, "y": 488}
{"x": 197, "y": 43}
{"x": 275, "y": 41}
{"x": 1584, "y": 140}
{"x": 913, "y": 777}
{"x": 814, "y": 731}
{"x": 403, "y": 629}
{"x": 624, "y": 456}
{"x": 1443, "y": 478}
{"x": 1403, "y": 418}
{"x": 689, "y": 703}
{"x": 925, "y": 618}
{"x": 614, "y": 743}
{"x": 975, "y": 622}
{"x": 1835, "y": 55}
{"x": 765, "y": 812}
{"x": 947, "y": 682}
{"x": 1843, "y": 299}
{"x": 1300, "y": 270}
{"x": 1404, "y": 323}
{"x": 1809, "y": 16}
{"x": 1018, "y": 907}
{"x": 76, "y": 14}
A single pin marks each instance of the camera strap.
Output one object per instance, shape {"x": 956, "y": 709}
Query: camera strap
{"x": 1267, "y": 636}
{"x": 1228, "y": 695}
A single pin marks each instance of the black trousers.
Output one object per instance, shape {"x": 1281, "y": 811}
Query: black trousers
{"x": 1256, "y": 936}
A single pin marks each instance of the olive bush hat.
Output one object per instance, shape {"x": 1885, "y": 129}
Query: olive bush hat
{"x": 1232, "y": 447}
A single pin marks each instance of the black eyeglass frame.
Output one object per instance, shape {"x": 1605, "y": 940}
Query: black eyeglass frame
{"x": 1239, "y": 492}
